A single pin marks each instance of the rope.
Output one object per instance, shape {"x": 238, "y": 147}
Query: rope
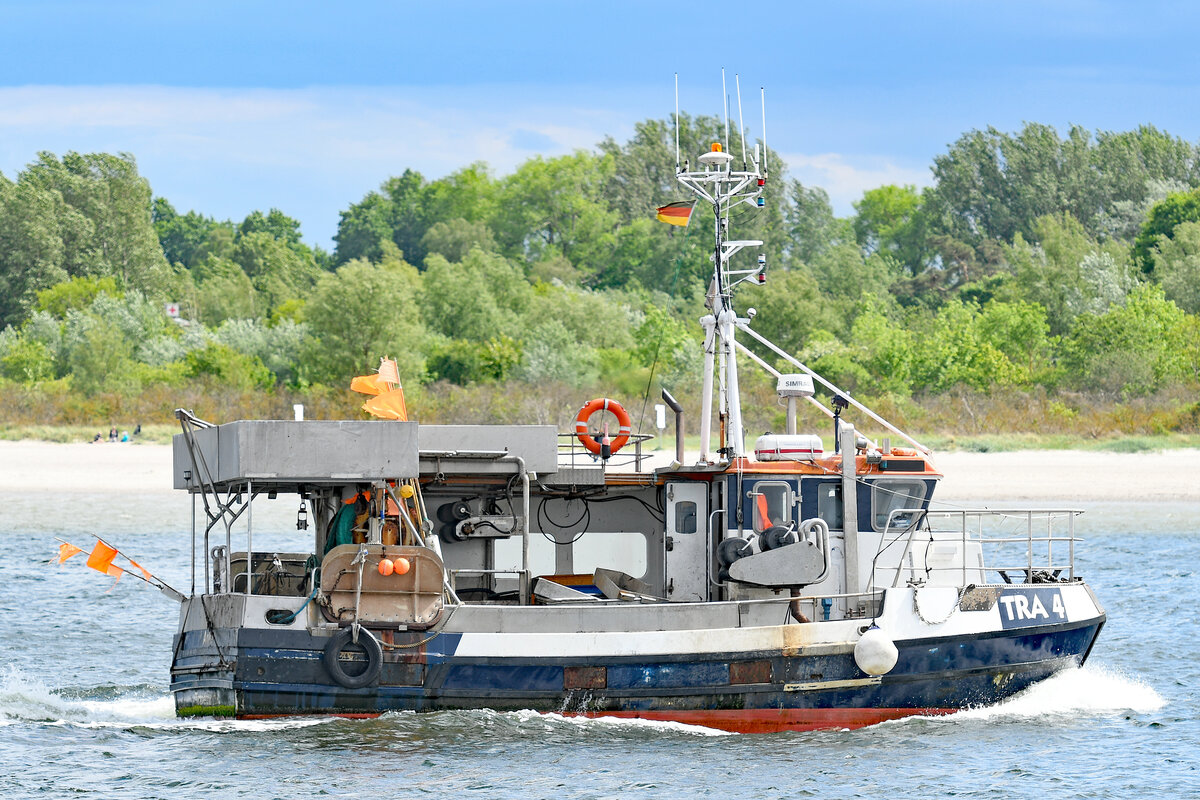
{"x": 291, "y": 617}
{"x": 427, "y": 639}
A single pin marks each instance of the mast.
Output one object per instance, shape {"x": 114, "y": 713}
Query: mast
{"x": 723, "y": 187}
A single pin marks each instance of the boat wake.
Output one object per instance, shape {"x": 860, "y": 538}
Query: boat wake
{"x": 25, "y": 699}
{"x": 537, "y": 724}
{"x": 1085, "y": 692}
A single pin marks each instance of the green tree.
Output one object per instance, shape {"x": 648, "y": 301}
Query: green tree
{"x": 363, "y": 229}
{"x": 224, "y": 291}
{"x": 99, "y": 356}
{"x": 791, "y": 309}
{"x": 189, "y": 238}
{"x": 274, "y": 223}
{"x": 890, "y": 221}
{"x": 557, "y": 205}
{"x": 74, "y": 294}
{"x": 1020, "y": 331}
{"x": 228, "y": 367}
{"x": 454, "y": 238}
{"x": 27, "y": 361}
{"x": 279, "y": 271}
{"x": 107, "y": 192}
{"x": 499, "y": 295}
{"x": 1164, "y": 218}
{"x": 1132, "y": 349}
{"x": 360, "y": 313}
{"x": 808, "y": 219}
{"x": 33, "y": 222}
{"x": 1177, "y": 266}
{"x": 953, "y": 350}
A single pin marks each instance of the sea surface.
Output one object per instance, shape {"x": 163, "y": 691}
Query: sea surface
{"x": 85, "y": 710}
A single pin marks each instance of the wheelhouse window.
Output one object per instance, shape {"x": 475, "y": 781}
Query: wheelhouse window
{"x": 829, "y": 503}
{"x": 685, "y": 517}
{"x": 624, "y": 551}
{"x": 887, "y": 496}
{"x": 772, "y": 504}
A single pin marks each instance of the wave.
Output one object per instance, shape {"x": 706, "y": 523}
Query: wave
{"x": 1086, "y": 691}
{"x": 25, "y": 699}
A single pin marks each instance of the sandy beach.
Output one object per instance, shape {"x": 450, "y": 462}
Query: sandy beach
{"x": 1041, "y": 475}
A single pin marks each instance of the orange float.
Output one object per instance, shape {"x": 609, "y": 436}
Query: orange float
{"x": 602, "y": 404}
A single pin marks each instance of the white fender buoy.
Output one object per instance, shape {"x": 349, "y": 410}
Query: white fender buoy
{"x": 875, "y": 653}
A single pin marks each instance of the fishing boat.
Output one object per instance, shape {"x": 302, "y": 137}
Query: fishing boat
{"x": 751, "y": 588}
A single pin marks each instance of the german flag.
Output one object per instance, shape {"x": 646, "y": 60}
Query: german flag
{"x": 678, "y": 213}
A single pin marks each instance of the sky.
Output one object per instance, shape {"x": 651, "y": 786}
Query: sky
{"x": 230, "y": 107}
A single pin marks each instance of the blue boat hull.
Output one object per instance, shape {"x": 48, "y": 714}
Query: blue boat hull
{"x": 274, "y": 673}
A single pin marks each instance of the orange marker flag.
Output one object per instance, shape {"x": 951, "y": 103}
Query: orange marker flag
{"x": 388, "y": 371}
{"x": 389, "y": 405}
{"x": 102, "y": 557}
{"x": 369, "y": 384}
{"x": 65, "y": 551}
{"x": 143, "y": 570}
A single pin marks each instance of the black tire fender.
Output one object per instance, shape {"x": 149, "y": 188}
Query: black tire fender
{"x": 370, "y": 647}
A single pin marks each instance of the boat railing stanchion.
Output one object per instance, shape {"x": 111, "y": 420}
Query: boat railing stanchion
{"x": 249, "y": 538}
{"x": 1071, "y": 545}
{"x": 1029, "y": 547}
{"x": 964, "y": 550}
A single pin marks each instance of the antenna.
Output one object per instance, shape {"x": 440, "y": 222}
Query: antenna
{"x": 764, "y": 128}
{"x": 737, "y": 81}
{"x": 677, "y": 122}
{"x": 725, "y": 97}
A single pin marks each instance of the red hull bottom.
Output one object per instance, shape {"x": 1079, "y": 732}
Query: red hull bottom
{"x": 769, "y": 720}
{"x": 773, "y": 720}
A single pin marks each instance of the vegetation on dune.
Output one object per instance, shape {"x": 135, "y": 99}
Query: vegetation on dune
{"x": 1043, "y": 283}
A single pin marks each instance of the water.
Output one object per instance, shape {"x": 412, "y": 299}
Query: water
{"x": 84, "y": 709}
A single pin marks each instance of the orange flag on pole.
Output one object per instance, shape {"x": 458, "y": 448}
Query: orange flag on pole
{"x": 388, "y": 371}
{"x": 369, "y": 384}
{"x": 143, "y": 570}
{"x": 65, "y": 551}
{"x": 101, "y": 558}
{"x": 389, "y": 405}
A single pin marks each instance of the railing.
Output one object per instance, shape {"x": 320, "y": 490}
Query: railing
{"x": 1026, "y": 543}
{"x": 573, "y": 454}
{"x": 522, "y": 575}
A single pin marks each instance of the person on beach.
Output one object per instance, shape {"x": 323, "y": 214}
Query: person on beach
{"x": 112, "y": 434}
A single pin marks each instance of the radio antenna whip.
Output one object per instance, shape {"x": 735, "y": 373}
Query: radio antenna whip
{"x": 725, "y": 97}
{"x": 677, "y": 122}
{"x": 763, "y": 92}
{"x": 737, "y": 81}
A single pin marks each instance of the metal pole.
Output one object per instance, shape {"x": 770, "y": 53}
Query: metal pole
{"x": 850, "y": 506}
{"x": 709, "y": 323}
{"x": 1029, "y": 546}
{"x": 678, "y": 411}
{"x": 193, "y": 545}
{"x": 249, "y": 538}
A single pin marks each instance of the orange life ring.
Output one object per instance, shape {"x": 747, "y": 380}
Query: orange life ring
{"x": 590, "y": 408}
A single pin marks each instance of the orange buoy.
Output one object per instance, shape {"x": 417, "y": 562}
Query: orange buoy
{"x": 401, "y": 566}
{"x": 590, "y": 408}
{"x": 386, "y": 566}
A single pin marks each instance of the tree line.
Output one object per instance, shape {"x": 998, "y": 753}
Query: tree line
{"x": 1033, "y": 260}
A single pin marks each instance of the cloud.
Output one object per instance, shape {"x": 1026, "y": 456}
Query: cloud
{"x": 310, "y": 152}
{"x": 846, "y": 177}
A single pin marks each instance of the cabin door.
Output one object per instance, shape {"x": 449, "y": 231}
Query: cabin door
{"x": 687, "y": 541}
